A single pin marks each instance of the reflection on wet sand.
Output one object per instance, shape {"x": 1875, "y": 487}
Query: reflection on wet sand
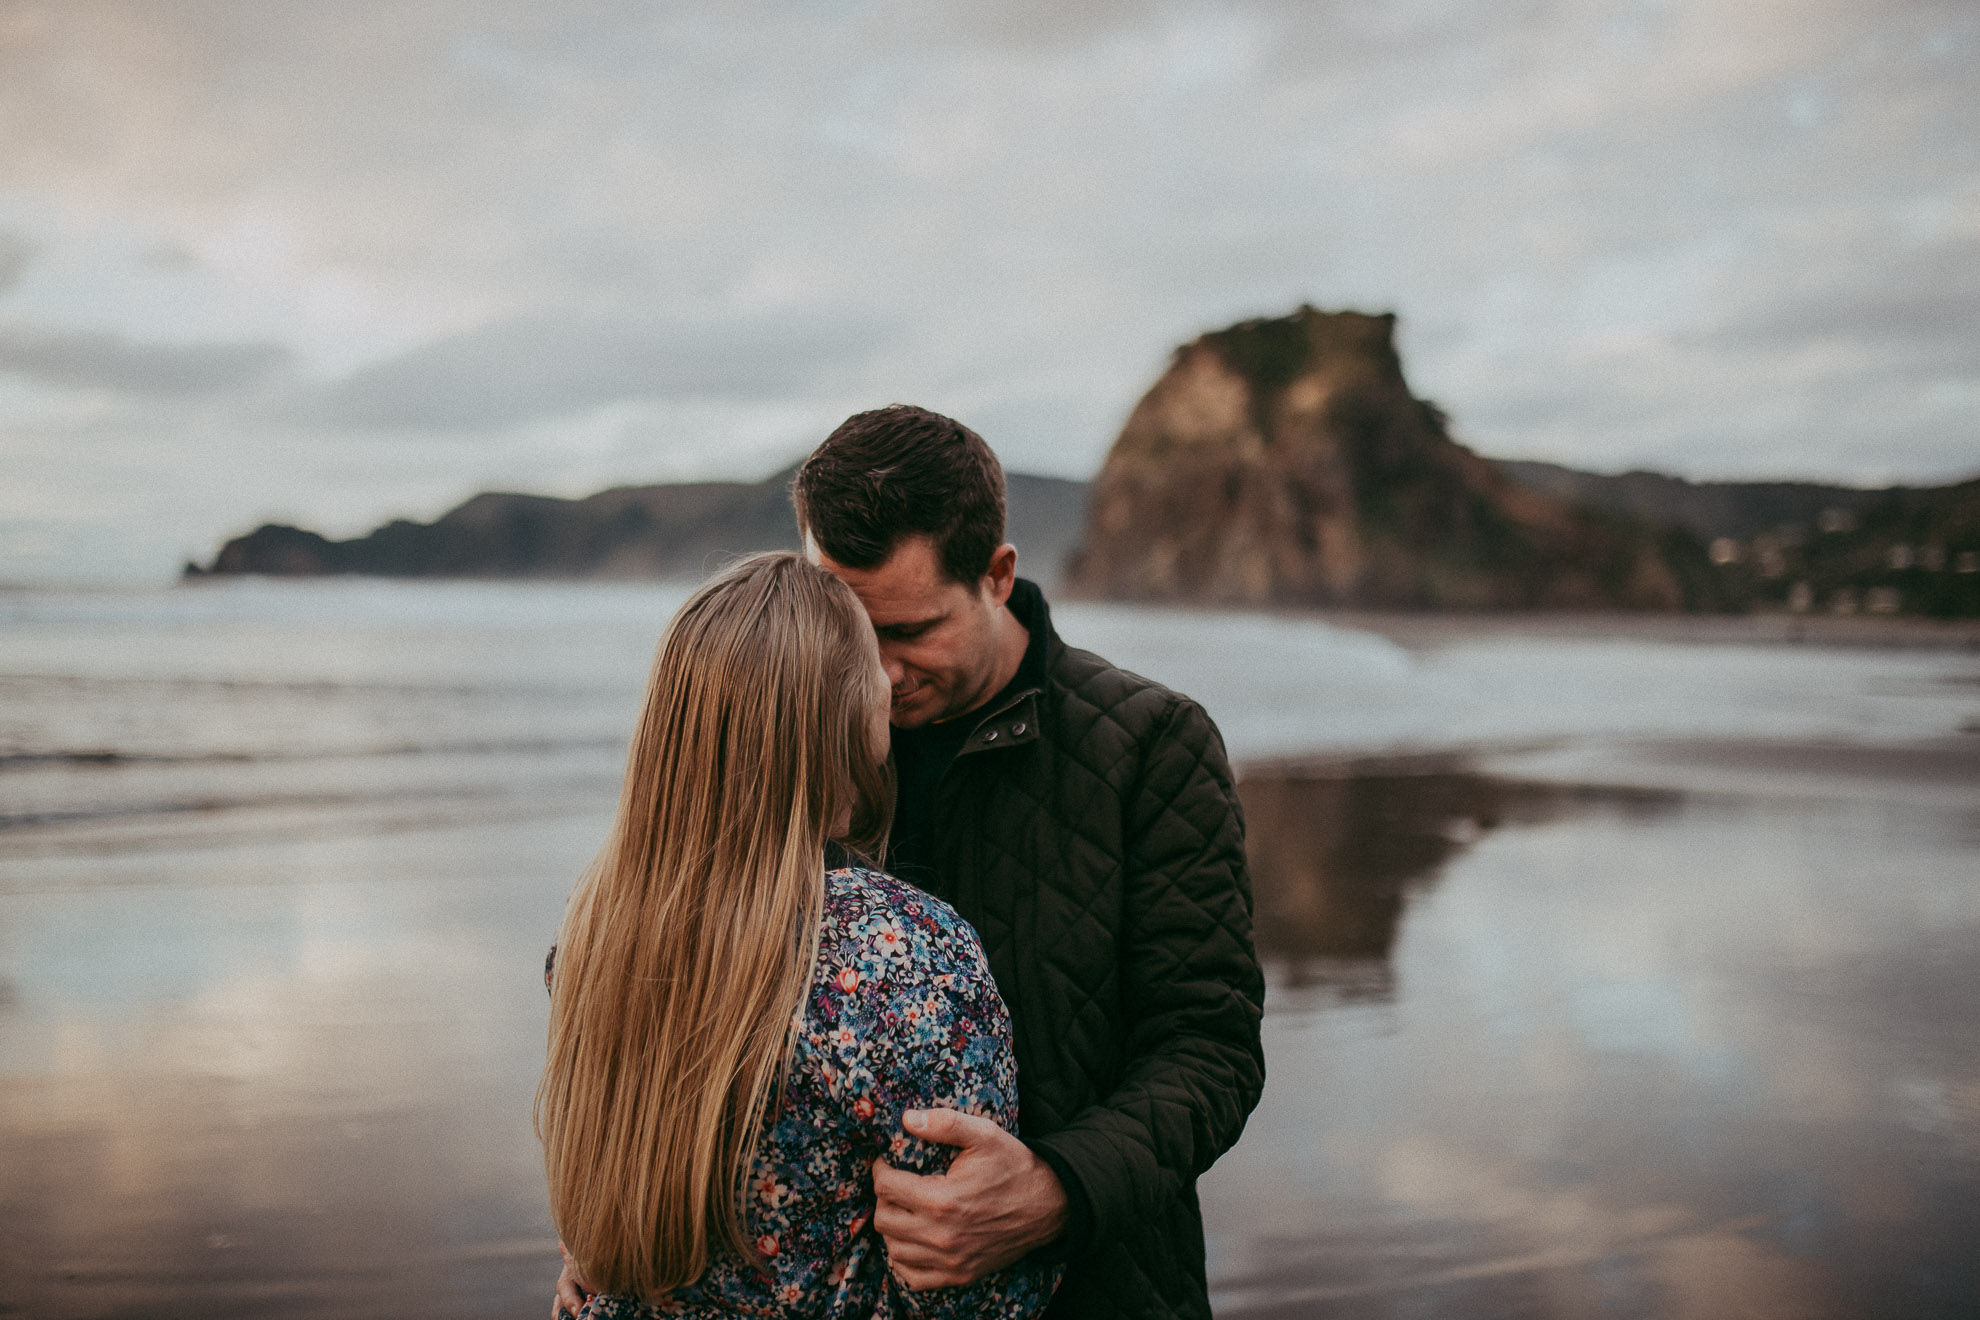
{"x": 1540, "y": 1051}
{"x": 281, "y": 1078}
{"x": 1338, "y": 848}
{"x": 1533, "y": 1051}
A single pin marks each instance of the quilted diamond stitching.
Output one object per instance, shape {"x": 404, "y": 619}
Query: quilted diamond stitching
{"x": 1109, "y": 805}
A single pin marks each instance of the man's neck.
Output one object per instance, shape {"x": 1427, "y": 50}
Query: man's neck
{"x": 1013, "y": 640}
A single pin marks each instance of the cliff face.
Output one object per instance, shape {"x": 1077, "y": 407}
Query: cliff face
{"x": 1285, "y": 461}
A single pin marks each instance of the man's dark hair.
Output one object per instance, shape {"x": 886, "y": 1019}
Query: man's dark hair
{"x": 903, "y": 471}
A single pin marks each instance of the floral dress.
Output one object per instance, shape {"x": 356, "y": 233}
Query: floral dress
{"x": 902, "y": 1014}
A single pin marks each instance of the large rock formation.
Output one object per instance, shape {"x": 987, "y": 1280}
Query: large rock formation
{"x": 1285, "y": 461}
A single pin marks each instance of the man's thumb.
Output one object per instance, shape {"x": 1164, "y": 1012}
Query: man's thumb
{"x": 949, "y": 1127}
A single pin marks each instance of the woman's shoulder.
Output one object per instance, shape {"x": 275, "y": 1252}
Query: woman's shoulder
{"x": 888, "y": 916}
{"x": 864, "y": 891}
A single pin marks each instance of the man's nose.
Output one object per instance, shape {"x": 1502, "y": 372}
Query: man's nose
{"x": 896, "y": 671}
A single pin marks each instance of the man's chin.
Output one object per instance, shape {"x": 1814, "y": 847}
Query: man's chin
{"x": 910, "y": 719}
{"x": 913, "y": 714}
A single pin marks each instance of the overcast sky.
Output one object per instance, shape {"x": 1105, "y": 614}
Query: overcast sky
{"x": 328, "y": 263}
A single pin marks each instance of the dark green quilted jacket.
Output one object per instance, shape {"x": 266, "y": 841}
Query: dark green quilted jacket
{"x": 1090, "y": 832}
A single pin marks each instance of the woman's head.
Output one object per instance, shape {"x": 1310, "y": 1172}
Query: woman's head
{"x": 761, "y": 707}
{"x": 687, "y": 947}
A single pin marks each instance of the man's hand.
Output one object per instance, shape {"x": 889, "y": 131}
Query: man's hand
{"x": 996, "y": 1202}
{"x": 572, "y": 1293}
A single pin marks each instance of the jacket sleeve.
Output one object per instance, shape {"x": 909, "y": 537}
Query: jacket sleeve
{"x": 1191, "y": 986}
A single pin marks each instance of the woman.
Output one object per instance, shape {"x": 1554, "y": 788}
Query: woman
{"x": 734, "y": 1031}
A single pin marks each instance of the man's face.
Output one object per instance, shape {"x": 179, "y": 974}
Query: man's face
{"x": 937, "y": 636}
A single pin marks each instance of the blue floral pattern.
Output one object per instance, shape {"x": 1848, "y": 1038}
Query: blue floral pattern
{"x": 902, "y": 1014}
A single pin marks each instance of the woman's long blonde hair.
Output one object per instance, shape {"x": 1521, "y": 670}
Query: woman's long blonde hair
{"x": 688, "y": 946}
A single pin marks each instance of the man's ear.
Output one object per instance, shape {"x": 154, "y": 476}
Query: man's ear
{"x": 1002, "y": 575}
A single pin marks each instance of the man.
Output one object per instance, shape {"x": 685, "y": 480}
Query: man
{"x": 1083, "y": 820}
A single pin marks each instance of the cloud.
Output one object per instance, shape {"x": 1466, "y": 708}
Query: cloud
{"x": 86, "y": 359}
{"x": 550, "y": 243}
{"x": 1914, "y": 295}
{"x": 533, "y": 367}
{"x": 15, "y": 253}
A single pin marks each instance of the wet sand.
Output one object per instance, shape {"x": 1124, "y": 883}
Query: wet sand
{"x": 1609, "y": 976}
{"x": 1535, "y": 1049}
{"x": 1550, "y": 1049}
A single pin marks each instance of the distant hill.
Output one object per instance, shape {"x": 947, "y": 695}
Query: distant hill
{"x": 1709, "y": 509}
{"x": 1281, "y": 461}
{"x": 1801, "y": 546}
{"x": 680, "y": 530}
{"x": 1285, "y": 461}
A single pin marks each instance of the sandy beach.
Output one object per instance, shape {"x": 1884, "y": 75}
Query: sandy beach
{"x": 1616, "y": 967}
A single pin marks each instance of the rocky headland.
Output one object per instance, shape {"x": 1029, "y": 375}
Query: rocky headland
{"x": 1280, "y": 462}
{"x": 1285, "y": 461}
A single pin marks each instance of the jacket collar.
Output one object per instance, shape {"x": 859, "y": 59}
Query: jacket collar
{"x": 1012, "y": 719}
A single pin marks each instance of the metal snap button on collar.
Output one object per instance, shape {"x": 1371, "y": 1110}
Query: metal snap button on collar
{"x": 990, "y": 736}
{"x": 1018, "y": 727}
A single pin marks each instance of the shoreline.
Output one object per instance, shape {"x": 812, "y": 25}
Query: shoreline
{"x": 1415, "y": 629}
{"x": 1901, "y": 632}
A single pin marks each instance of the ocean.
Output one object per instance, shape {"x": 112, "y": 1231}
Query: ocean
{"x": 1614, "y": 970}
